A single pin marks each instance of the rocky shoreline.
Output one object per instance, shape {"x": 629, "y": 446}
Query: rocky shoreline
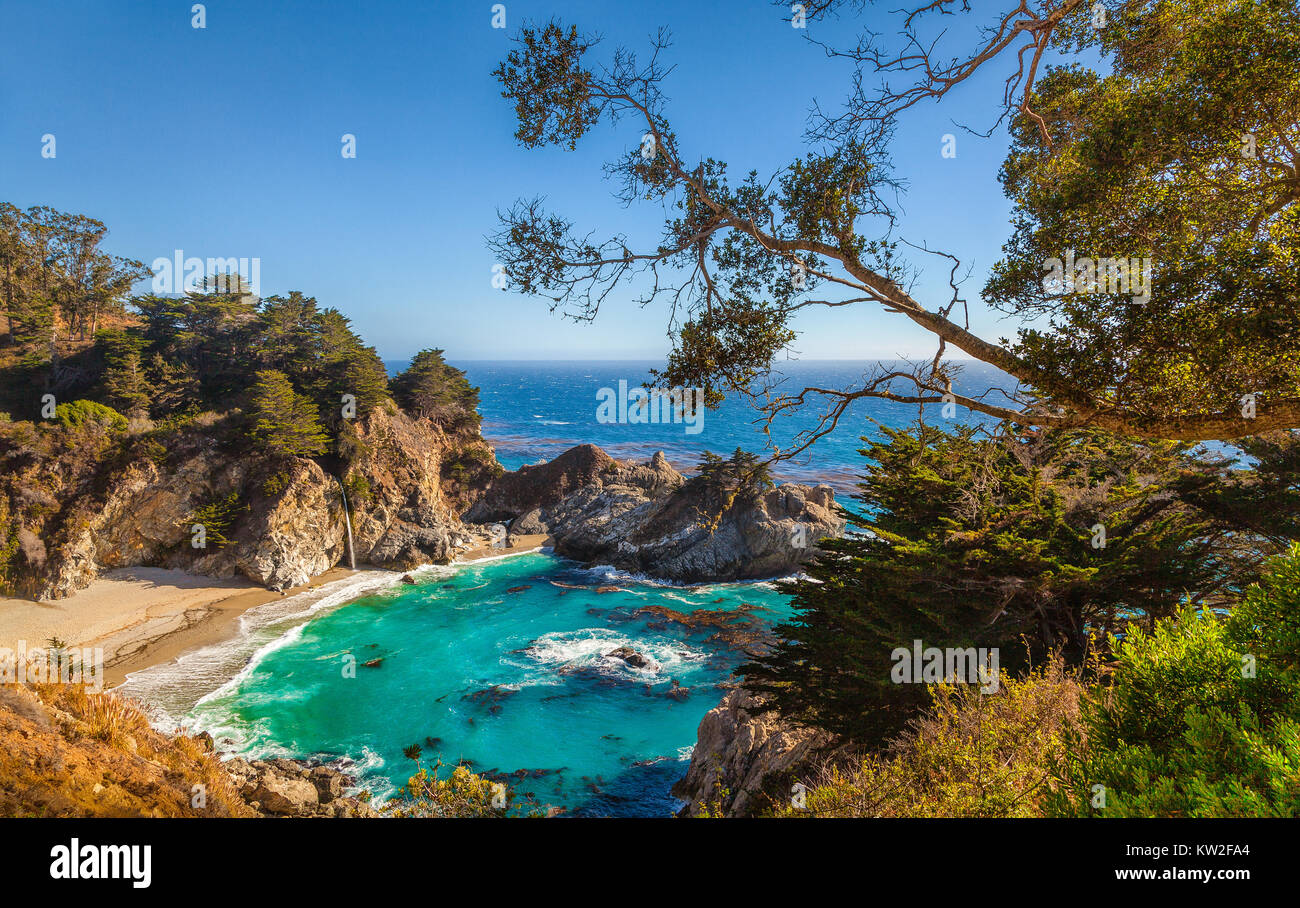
{"x": 283, "y": 787}
{"x": 406, "y": 510}
{"x": 746, "y": 759}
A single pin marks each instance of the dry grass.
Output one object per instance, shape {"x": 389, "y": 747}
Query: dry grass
{"x": 69, "y": 751}
{"x": 969, "y": 755}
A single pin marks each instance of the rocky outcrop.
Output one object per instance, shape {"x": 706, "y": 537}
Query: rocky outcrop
{"x": 407, "y": 512}
{"x": 296, "y": 788}
{"x": 276, "y": 521}
{"x": 530, "y": 488}
{"x": 647, "y": 518}
{"x": 745, "y": 759}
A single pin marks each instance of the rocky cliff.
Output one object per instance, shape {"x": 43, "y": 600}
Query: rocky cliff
{"x": 276, "y": 521}
{"x": 746, "y": 760}
{"x": 647, "y": 518}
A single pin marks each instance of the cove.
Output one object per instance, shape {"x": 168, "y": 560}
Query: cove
{"x": 503, "y": 665}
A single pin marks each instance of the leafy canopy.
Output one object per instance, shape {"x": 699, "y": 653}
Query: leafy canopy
{"x": 1126, "y": 141}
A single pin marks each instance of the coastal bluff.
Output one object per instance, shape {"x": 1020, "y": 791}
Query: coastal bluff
{"x": 746, "y": 759}
{"x": 647, "y": 518}
{"x": 277, "y": 521}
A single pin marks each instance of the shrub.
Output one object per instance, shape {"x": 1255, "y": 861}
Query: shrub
{"x": 462, "y": 794}
{"x": 358, "y": 489}
{"x": 275, "y": 484}
{"x": 1201, "y": 718}
{"x": 969, "y": 755}
{"x": 82, "y": 413}
{"x": 217, "y": 517}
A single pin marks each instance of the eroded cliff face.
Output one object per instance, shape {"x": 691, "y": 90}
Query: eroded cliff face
{"x": 276, "y": 521}
{"x": 746, "y": 760}
{"x": 646, "y": 518}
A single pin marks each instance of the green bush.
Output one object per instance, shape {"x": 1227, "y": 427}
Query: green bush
{"x": 217, "y": 517}
{"x": 275, "y": 484}
{"x": 1202, "y": 716}
{"x": 358, "y": 489}
{"x": 463, "y": 794}
{"x": 82, "y": 413}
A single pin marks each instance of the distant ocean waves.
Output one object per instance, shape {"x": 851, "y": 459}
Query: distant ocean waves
{"x": 533, "y": 411}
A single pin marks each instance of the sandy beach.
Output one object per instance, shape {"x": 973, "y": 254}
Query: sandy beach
{"x": 145, "y": 616}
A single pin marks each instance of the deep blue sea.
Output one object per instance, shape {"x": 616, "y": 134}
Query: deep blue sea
{"x": 533, "y": 411}
{"x": 504, "y": 664}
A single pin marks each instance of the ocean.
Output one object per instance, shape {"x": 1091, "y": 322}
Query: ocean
{"x": 503, "y": 664}
{"x": 533, "y": 411}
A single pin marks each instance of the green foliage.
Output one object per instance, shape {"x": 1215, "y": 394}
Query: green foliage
{"x": 275, "y": 484}
{"x": 545, "y": 78}
{"x": 320, "y": 354}
{"x": 1267, "y": 622}
{"x": 56, "y": 286}
{"x": 358, "y": 489}
{"x": 1201, "y": 718}
{"x": 8, "y": 542}
{"x": 1197, "y": 717}
{"x": 969, "y": 541}
{"x": 217, "y": 517}
{"x": 1170, "y": 151}
{"x": 1262, "y": 500}
{"x": 281, "y": 421}
{"x": 82, "y": 413}
{"x": 743, "y": 474}
{"x": 125, "y": 384}
{"x": 438, "y": 392}
{"x": 462, "y": 794}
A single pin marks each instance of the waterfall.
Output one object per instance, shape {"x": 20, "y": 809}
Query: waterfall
{"x": 347, "y": 519}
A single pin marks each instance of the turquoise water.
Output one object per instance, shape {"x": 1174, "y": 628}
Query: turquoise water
{"x": 517, "y": 684}
{"x": 503, "y": 664}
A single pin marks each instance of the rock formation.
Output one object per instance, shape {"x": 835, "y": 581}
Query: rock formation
{"x": 296, "y": 788}
{"x": 745, "y": 759}
{"x": 277, "y": 522}
{"x": 647, "y": 518}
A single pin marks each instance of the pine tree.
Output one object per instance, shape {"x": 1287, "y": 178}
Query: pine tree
{"x": 283, "y": 421}
{"x": 437, "y": 391}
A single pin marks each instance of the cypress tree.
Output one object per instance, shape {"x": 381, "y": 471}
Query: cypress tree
{"x": 283, "y": 421}
{"x": 968, "y": 541}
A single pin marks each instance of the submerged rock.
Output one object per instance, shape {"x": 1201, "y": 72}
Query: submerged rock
{"x": 630, "y": 656}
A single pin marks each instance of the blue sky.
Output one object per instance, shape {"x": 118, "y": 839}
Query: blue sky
{"x": 225, "y": 141}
